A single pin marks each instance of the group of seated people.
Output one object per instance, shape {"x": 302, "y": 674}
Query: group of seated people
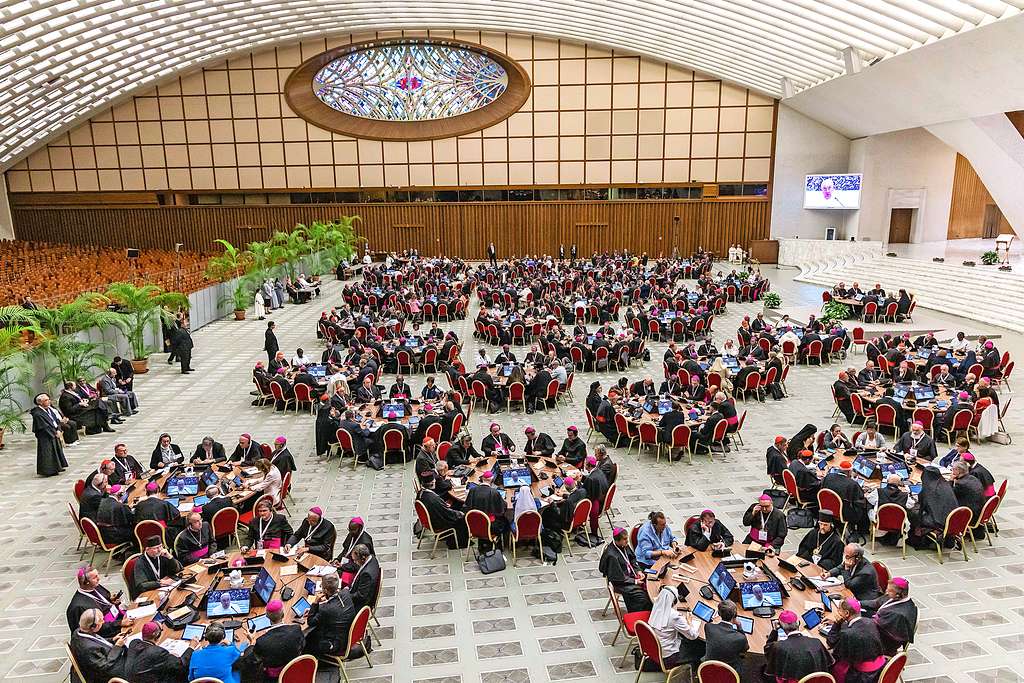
{"x": 447, "y": 511}
{"x": 877, "y": 295}
{"x": 99, "y": 624}
{"x": 867, "y": 627}
{"x": 95, "y": 407}
{"x": 104, "y": 498}
{"x": 970, "y": 484}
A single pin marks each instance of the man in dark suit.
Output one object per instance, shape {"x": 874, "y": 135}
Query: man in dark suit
{"x": 855, "y": 505}
{"x": 181, "y": 346}
{"x": 279, "y": 644}
{"x": 859, "y": 575}
{"x": 329, "y": 619}
{"x": 725, "y": 641}
{"x": 806, "y": 478}
{"x": 366, "y": 581}
{"x": 218, "y": 501}
{"x": 150, "y": 663}
{"x": 902, "y": 421}
{"x": 358, "y": 433}
{"x": 492, "y": 255}
{"x": 537, "y": 390}
{"x": 270, "y": 344}
{"x": 99, "y": 659}
{"x": 747, "y": 369}
{"x": 209, "y": 450}
{"x": 367, "y": 391}
{"x": 670, "y": 421}
{"x": 644, "y": 387}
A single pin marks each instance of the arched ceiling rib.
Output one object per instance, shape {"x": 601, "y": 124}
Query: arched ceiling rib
{"x": 62, "y": 60}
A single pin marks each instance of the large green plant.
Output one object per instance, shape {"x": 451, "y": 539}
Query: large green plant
{"x": 64, "y": 356}
{"x": 142, "y": 308}
{"x": 834, "y": 312}
{"x": 234, "y": 262}
{"x": 343, "y": 238}
{"x": 771, "y": 300}
{"x": 293, "y": 246}
{"x": 15, "y": 366}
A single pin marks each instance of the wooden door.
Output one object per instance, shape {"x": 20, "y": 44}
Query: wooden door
{"x": 900, "y": 222}
{"x": 993, "y": 218}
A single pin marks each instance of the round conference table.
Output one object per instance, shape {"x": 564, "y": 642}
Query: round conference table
{"x": 695, "y": 573}
{"x": 238, "y": 494}
{"x": 542, "y": 466}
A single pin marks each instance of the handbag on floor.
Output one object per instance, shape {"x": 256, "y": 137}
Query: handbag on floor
{"x": 491, "y": 561}
{"x": 800, "y": 518}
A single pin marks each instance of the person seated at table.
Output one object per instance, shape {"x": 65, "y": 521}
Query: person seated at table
{"x": 426, "y": 457}
{"x": 968, "y": 491}
{"x": 208, "y": 450}
{"x": 316, "y": 534}
{"x": 960, "y": 447}
{"x": 246, "y": 451}
{"x": 806, "y": 477}
{"x": 269, "y": 529}
{"x": 488, "y": 500}
{"x": 944, "y": 378}
{"x": 273, "y": 648}
{"x": 400, "y": 390}
{"x": 887, "y": 399}
{"x": 934, "y": 503}
{"x": 855, "y": 644}
{"x": 704, "y": 436}
{"x": 506, "y": 356}
{"x": 981, "y": 473}
{"x": 708, "y": 532}
{"x": 726, "y": 405}
{"x": 776, "y": 460}
{"x": 574, "y": 449}
{"x": 596, "y": 484}
{"x": 836, "y": 440}
{"x": 655, "y": 540}
{"x": 538, "y": 443}
{"x": 620, "y": 568}
{"x": 158, "y": 509}
{"x": 855, "y": 505}
{"x": 868, "y": 374}
{"x": 990, "y": 360}
{"x": 696, "y": 390}
{"x": 364, "y": 584}
{"x": 670, "y": 421}
{"x": 767, "y": 524}
{"x": 842, "y": 395}
{"x": 895, "y": 614}
{"x": 367, "y": 391}
{"x": 643, "y": 388}
{"x": 92, "y": 595}
{"x": 430, "y": 391}
{"x": 497, "y": 442}
{"x": 463, "y": 452}
{"x": 165, "y": 453}
{"x": 357, "y": 535}
{"x": 870, "y": 438}
{"x": 748, "y": 366}
{"x": 196, "y": 541}
{"x": 442, "y": 516}
{"x": 533, "y": 356}
{"x": 115, "y": 520}
{"x": 150, "y": 663}
{"x": 217, "y": 657}
{"x": 725, "y": 641}
{"x": 98, "y": 658}
{"x": 329, "y": 618}
{"x": 822, "y": 545}
{"x": 671, "y": 385}
{"x": 271, "y": 480}
{"x": 281, "y": 457}
{"x": 678, "y": 634}
{"x": 859, "y": 575}
{"x": 916, "y": 443}
{"x": 792, "y": 658}
{"x": 156, "y": 567}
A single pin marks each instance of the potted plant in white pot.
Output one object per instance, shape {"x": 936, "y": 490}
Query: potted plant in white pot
{"x": 234, "y": 264}
{"x": 14, "y": 368}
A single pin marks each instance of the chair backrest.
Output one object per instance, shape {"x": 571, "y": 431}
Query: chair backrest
{"x": 74, "y": 517}
{"x": 891, "y": 309}
{"x": 434, "y": 432}
{"x": 204, "y": 679}
{"x": 720, "y": 428}
{"x": 830, "y": 500}
{"x": 394, "y": 440}
{"x": 681, "y": 436}
{"x": 650, "y": 645}
{"x": 891, "y": 517}
{"x": 422, "y": 515}
{"x": 882, "y": 573}
{"x": 814, "y": 348}
{"x": 987, "y": 511}
{"x": 344, "y": 439}
{"x": 648, "y": 433}
{"x": 224, "y": 522}
{"x": 128, "y": 573}
{"x": 717, "y": 672}
{"x": 925, "y": 416}
{"x": 553, "y": 388}
{"x": 886, "y": 415}
{"x": 790, "y": 482}
{"x": 357, "y": 630}
{"x": 1007, "y": 370}
{"x": 739, "y": 422}
{"x": 74, "y": 663}
{"x": 79, "y": 487}
{"x": 609, "y": 496}
{"x": 276, "y": 392}
{"x": 303, "y": 394}
{"x": 528, "y": 525}
{"x": 516, "y": 391}
{"x": 479, "y": 389}
{"x": 753, "y": 381}
{"x": 266, "y": 450}
{"x": 870, "y": 309}
{"x": 858, "y": 334}
{"x": 582, "y": 513}
{"x": 957, "y": 521}
{"x": 478, "y": 524}
{"x": 789, "y": 347}
{"x": 286, "y": 485}
{"x": 820, "y": 677}
{"x": 91, "y": 531}
{"x": 893, "y": 669}
{"x": 837, "y": 345}
{"x": 962, "y": 418}
{"x": 147, "y": 528}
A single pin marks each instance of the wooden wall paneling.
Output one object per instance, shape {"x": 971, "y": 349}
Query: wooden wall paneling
{"x": 967, "y": 208}
{"x": 456, "y": 229}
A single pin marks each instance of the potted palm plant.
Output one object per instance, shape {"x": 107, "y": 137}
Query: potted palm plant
{"x": 234, "y": 263}
{"x": 14, "y": 368}
{"x": 143, "y": 308}
{"x": 65, "y": 356}
{"x": 293, "y": 245}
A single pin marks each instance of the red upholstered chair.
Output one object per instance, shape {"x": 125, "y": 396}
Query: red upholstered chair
{"x": 345, "y": 444}
{"x": 634, "y": 534}
{"x": 961, "y": 423}
{"x": 681, "y": 439}
{"x": 650, "y": 648}
{"x": 442, "y": 450}
{"x": 356, "y": 632}
{"x": 830, "y": 500}
{"x": 958, "y": 522}
{"x": 479, "y": 393}
{"x": 404, "y": 361}
{"x": 716, "y": 672}
{"x": 627, "y": 621}
{"x": 625, "y": 432}
{"x": 890, "y": 517}
{"x": 95, "y": 538}
{"x": 552, "y": 394}
{"x": 79, "y": 487}
{"x": 718, "y": 437}
{"x": 926, "y": 416}
{"x": 394, "y": 442}
{"x": 609, "y": 498}
{"x": 478, "y": 526}
{"x": 752, "y": 384}
{"x": 434, "y": 432}
{"x": 516, "y": 394}
{"x": 147, "y": 528}
{"x": 430, "y": 360}
{"x": 988, "y": 511}
{"x": 266, "y": 450}
{"x": 820, "y": 677}
{"x": 580, "y": 516}
{"x": 883, "y": 574}
{"x": 890, "y": 312}
{"x": 858, "y": 338}
{"x": 792, "y": 489}
{"x": 527, "y": 528}
{"x": 649, "y": 437}
{"x": 278, "y": 394}
{"x": 128, "y": 574}
{"x": 885, "y": 416}
{"x": 789, "y": 351}
{"x": 424, "y": 518}
{"x": 825, "y": 298}
{"x": 225, "y": 523}
{"x": 814, "y": 350}
{"x": 893, "y": 669}
{"x": 870, "y": 312}
{"x": 303, "y": 396}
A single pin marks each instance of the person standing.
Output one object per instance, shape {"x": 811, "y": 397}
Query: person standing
{"x": 270, "y": 344}
{"x": 48, "y": 425}
{"x": 182, "y": 347}
{"x": 492, "y": 255}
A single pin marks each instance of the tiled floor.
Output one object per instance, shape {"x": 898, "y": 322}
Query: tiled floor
{"x": 442, "y": 620}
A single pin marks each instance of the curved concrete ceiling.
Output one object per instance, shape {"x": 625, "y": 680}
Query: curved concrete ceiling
{"x": 61, "y": 61}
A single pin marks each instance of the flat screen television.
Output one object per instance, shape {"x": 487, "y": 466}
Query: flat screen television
{"x": 832, "y": 191}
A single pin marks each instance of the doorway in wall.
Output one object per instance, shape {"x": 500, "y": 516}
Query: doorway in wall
{"x": 900, "y": 223}
{"x": 992, "y": 220}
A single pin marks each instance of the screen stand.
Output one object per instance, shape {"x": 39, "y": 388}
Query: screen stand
{"x": 764, "y": 612}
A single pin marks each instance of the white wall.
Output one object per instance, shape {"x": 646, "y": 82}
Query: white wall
{"x": 910, "y": 168}
{"x": 6, "y": 222}
{"x": 803, "y": 146}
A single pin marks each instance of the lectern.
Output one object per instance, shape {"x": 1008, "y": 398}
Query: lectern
{"x": 1003, "y": 242}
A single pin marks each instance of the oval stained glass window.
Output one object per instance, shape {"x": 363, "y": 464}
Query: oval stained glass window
{"x": 407, "y": 89}
{"x": 410, "y": 82}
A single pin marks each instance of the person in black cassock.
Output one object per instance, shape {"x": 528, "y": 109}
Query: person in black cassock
{"x": 357, "y": 535}
{"x": 328, "y": 419}
{"x": 538, "y": 443}
{"x": 804, "y": 439}
{"x": 91, "y": 595}
{"x": 574, "y": 449}
{"x": 806, "y": 478}
{"x": 99, "y": 658}
{"x": 281, "y": 457}
{"x": 767, "y": 525}
{"x": 329, "y": 619}
{"x": 365, "y": 583}
{"x": 497, "y": 442}
{"x": 822, "y": 545}
{"x": 776, "y": 460}
{"x": 247, "y": 451}
{"x": 708, "y": 532}
{"x": 855, "y": 504}
{"x": 165, "y": 453}
{"x": 797, "y": 655}
{"x": 316, "y": 533}
{"x": 855, "y": 644}
{"x": 618, "y": 565}
{"x": 895, "y": 614}
{"x": 859, "y": 576}
{"x": 126, "y": 466}
{"x": 47, "y": 425}
{"x": 209, "y": 450}
{"x": 155, "y": 567}
{"x": 487, "y": 499}
{"x": 268, "y": 529}
{"x": 442, "y": 517}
